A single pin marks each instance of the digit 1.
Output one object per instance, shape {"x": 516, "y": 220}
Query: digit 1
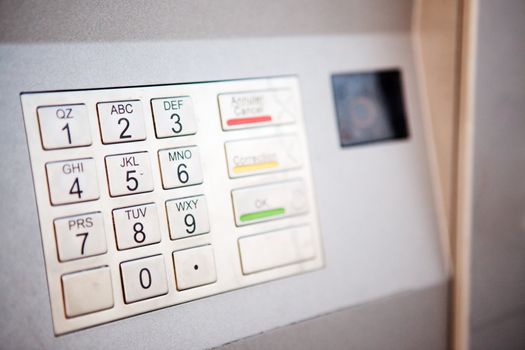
{"x": 66, "y": 128}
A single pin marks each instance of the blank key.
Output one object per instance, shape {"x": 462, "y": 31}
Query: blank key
{"x": 87, "y": 291}
{"x": 275, "y": 249}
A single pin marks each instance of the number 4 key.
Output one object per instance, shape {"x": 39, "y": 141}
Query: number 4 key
{"x": 72, "y": 181}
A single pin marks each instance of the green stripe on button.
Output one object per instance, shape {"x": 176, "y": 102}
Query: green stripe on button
{"x": 261, "y": 214}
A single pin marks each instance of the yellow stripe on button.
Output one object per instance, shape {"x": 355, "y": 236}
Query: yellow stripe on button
{"x": 254, "y": 167}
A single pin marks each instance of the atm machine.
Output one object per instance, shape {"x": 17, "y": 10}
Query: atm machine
{"x": 187, "y": 175}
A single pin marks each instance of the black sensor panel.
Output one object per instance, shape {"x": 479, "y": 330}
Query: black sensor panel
{"x": 369, "y": 107}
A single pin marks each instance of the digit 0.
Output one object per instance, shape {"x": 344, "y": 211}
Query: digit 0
{"x": 145, "y": 278}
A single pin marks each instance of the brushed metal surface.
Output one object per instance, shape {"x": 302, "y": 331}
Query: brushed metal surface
{"x": 217, "y": 187}
{"x": 30, "y": 21}
{"x": 376, "y": 204}
{"x": 411, "y": 320}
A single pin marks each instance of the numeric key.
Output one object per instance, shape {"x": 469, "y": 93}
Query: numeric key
{"x": 129, "y": 173}
{"x": 136, "y": 226}
{"x": 180, "y": 167}
{"x": 187, "y": 217}
{"x": 80, "y": 236}
{"x": 64, "y": 126}
{"x": 121, "y": 121}
{"x": 173, "y": 116}
{"x": 72, "y": 181}
{"x": 144, "y": 278}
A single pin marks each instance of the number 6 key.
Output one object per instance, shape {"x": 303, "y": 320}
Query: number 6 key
{"x": 180, "y": 167}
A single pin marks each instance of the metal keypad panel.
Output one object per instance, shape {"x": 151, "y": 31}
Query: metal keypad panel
{"x": 153, "y": 196}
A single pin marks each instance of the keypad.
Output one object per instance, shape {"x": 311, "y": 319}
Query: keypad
{"x": 153, "y": 196}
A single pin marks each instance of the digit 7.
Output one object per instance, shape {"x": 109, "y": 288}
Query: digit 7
{"x": 84, "y": 234}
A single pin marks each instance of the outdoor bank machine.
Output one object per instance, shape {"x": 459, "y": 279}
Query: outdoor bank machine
{"x": 206, "y": 174}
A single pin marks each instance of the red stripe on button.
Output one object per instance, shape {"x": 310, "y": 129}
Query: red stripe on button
{"x": 251, "y": 120}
